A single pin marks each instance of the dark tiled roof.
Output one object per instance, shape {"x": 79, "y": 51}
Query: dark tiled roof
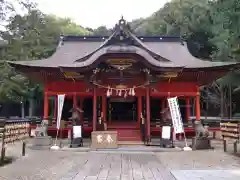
{"x": 159, "y": 51}
{"x": 69, "y": 52}
{"x": 65, "y": 54}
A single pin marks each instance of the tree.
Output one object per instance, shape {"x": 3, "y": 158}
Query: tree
{"x": 212, "y": 31}
{"x": 226, "y": 29}
{"x": 186, "y": 18}
{"x": 30, "y": 36}
{"x": 65, "y": 26}
{"x": 5, "y": 8}
{"x": 102, "y": 31}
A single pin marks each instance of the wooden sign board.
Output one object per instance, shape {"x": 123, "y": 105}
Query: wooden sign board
{"x": 104, "y": 140}
{"x": 166, "y": 137}
{"x": 77, "y": 131}
{"x": 166, "y": 132}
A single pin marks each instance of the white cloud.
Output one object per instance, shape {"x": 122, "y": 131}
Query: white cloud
{"x": 94, "y": 13}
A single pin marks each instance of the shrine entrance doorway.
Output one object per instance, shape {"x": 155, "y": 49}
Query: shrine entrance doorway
{"x": 122, "y": 116}
{"x": 122, "y": 110}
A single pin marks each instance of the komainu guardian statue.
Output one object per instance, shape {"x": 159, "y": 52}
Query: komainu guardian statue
{"x": 201, "y": 140}
{"x": 76, "y": 115}
{"x": 41, "y": 138}
{"x": 41, "y": 129}
{"x": 200, "y": 130}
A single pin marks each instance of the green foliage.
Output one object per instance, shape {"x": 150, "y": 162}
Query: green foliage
{"x": 31, "y": 36}
{"x": 178, "y": 17}
{"x": 102, "y": 31}
{"x": 186, "y": 18}
{"x": 5, "y": 8}
{"x": 211, "y": 28}
{"x": 36, "y": 35}
{"x": 65, "y": 26}
{"x": 226, "y": 28}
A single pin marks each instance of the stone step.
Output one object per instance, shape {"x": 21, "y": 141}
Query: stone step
{"x": 129, "y": 138}
{"x": 130, "y": 143}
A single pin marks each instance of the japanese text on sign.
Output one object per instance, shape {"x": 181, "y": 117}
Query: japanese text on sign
{"x": 100, "y": 138}
{"x": 176, "y": 115}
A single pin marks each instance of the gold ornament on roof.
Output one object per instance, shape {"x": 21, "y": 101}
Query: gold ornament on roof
{"x": 71, "y": 75}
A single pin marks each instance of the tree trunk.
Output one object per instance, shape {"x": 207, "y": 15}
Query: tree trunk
{"x": 31, "y": 107}
{"x": 230, "y": 101}
{"x": 222, "y": 102}
{"x": 22, "y": 108}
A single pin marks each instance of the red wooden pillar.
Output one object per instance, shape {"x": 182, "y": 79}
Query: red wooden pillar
{"x": 81, "y": 107}
{"x": 104, "y": 107}
{"x": 46, "y": 106}
{"x": 198, "y": 106}
{"x": 148, "y": 111}
{"x": 188, "y": 114}
{"x": 94, "y": 109}
{"x": 55, "y": 107}
{"x": 139, "y": 109}
{"x": 74, "y": 99}
{"x": 163, "y": 103}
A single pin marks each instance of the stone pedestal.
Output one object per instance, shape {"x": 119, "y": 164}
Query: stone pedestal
{"x": 166, "y": 143}
{"x": 42, "y": 141}
{"x": 104, "y": 140}
{"x": 201, "y": 143}
{"x": 76, "y": 142}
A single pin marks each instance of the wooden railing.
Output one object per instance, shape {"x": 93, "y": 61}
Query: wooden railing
{"x": 215, "y": 123}
{"x": 230, "y": 129}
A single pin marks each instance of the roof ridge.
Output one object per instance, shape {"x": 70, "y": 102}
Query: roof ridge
{"x": 122, "y": 35}
{"x": 88, "y": 38}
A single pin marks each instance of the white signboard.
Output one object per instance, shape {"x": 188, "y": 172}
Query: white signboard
{"x": 176, "y": 115}
{"x": 60, "y": 108}
{"x": 77, "y": 131}
{"x": 32, "y": 133}
{"x": 166, "y": 132}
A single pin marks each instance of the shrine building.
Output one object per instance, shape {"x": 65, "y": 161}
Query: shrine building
{"x": 121, "y": 78}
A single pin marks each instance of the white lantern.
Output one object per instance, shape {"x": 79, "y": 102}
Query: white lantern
{"x": 120, "y": 92}
{"x": 133, "y": 92}
{"x": 108, "y": 93}
{"x": 125, "y": 94}
{"x": 130, "y": 92}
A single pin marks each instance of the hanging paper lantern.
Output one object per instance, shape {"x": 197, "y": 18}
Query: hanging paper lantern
{"x": 120, "y": 93}
{"x": 133, "y": 92}
{"x": 130, "y": 92}
{"x": 125, "y": 94}
{"x": 108, "y": 93}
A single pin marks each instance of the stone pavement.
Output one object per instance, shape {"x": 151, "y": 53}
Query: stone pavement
{"x": 195, "y": 160}
{"x": 58, "y": 165}
{"x": 204, "y": 165}
{"x": 70, "y": 165}
{"x": 206, "y": 174}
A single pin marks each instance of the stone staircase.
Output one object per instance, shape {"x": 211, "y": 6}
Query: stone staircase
{"x": 128, "y": 132}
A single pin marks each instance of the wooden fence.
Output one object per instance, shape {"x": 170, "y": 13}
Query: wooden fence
{"x": 230, "y": 129}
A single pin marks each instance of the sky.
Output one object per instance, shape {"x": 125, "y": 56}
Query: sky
{"x": 94, "y": 13}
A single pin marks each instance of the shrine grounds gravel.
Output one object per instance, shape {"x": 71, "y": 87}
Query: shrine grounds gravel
{"x": 70, "y": 165}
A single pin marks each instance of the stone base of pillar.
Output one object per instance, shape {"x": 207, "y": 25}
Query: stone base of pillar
{"x": 201, "y": 143}
{"x": 42, "y": 141}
